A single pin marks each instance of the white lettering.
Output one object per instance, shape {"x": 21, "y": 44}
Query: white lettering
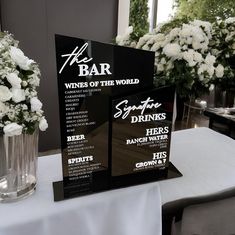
{"x": 83, "y": 70}
{"x": 82, "y": 61}
{"x": 105, "y": 69}
{"x": 75, "y": 138}
{"x": 75, "y": 56}
{"x": 80, "y": 159}
{"x": 157, "y": 131}
{"x": 148, "y": 117}
{"x": 124, "y": 110}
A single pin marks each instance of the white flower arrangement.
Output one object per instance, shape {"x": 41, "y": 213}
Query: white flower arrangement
{"x": 20, "y": 109}
{"x": 125, "y": 39}
{"x": 185, "y": 57}
{"x": 223, "y": 44}
{"x": 230, "y": 34}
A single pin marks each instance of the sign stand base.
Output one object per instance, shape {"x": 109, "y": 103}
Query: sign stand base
{"x": 62, "y": 193}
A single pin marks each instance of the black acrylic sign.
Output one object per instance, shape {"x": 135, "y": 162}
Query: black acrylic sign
{"x": 115, "y": 126}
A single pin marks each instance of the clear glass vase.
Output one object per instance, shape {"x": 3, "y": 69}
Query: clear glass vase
{"x": 18, "y": 165}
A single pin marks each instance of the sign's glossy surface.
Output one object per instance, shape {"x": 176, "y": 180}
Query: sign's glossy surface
{"x": 115, "y": 125}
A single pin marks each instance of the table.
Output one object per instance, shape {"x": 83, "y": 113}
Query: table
{"x": 134, "y": 210}
{"x": 221, "y": 121}
{"x": 205, "y": 157}
{"x": 207, "y": 161}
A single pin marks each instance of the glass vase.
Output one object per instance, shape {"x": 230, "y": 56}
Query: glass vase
{"x": 18, "y": 165}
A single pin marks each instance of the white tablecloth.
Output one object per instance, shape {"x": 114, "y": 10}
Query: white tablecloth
{"x": 129, "y": 211}
{"x": 206, "y": 159}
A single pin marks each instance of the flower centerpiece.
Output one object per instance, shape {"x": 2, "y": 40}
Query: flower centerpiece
{"x": 20, "y": 108}
{"x": 20, "y": 117}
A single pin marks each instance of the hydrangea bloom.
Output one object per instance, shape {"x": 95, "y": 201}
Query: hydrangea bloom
{"x": 185, "y": 57}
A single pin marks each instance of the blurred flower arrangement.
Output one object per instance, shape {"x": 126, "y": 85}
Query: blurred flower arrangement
{"x": 193, "y": 56}
{"x": 223, "y": 47}
{"x": 20, "y": 108}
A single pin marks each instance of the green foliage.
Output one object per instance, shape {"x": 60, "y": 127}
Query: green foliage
{"x": 208, "y": 10}
{"x": 174, "y": 23}
{"x": 2, "y": 34}
{"x": 139, "y": 18}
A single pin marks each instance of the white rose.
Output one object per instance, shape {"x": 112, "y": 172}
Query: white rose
{"x": 163, "y": 61}
{"x": 129, "y": 30}
{"x": 197, "y": 57}
{"x": 210, "y": 59}
{"x": 198, "y": 35}
{"x": 204, "y": 47}
{"x": 18, "y": 95}
{"x": 229, "y": 38}
{"x": 186, "y": 31}
{"x": 189, "y": 41}
{"x": 36, "y": 104}
{"x": 225, "y": 31}
{"x": 118, "y": 39}
{"x": 34, "y": 81}
{"x": 196, "y": 45}
{"x": 192, "y": 63}
{"x": 172, "y": 50}
{"x": 219, "y": 71}
{"x": 140, "y": 43}
{"x": 202, "y": 69}
{"x": 201, "y": 77}
{"x": 188, "y": 56}
{"x": 5, "y": 94}
{"x": 230, "y": 20}
{"x": 174, "y": 32}
{"x": 212, "y": 87}
{"x": 14, "y": 80}
{"x": 160, "y": 67}
{"x": 233, "y": 46}
{"x": 215, "y": 52}
{"x": 3, "y": 110}
{"x": 159, "y": 37}
{"x": 20, "y": 59}
{"x": 43, "y": 125}
{"x": 207, "y": 25}
{"x": 170, "y": 65}
{"x": 133, "y": 44}
{"x": 24, "y": 83}
{"x": 12, "y": 129}
{"x": 211, "y": 70}
{"x": 155, "y": 46}
{"x": 146, "y": 47}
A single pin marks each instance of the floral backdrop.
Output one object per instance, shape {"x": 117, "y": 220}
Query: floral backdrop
{"x": 193, "y": 55}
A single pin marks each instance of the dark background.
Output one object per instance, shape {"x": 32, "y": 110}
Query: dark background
{"x": 35, "y": 22}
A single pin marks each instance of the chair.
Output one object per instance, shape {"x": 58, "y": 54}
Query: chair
{"x": 213, "y": 218}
